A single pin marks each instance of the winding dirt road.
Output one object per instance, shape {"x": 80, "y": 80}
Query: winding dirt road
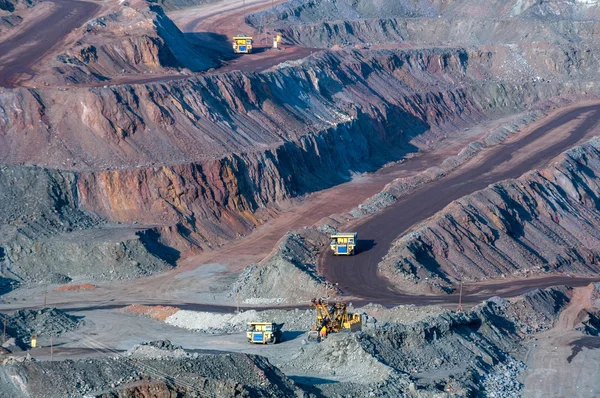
{"x": 19, "y": 54}
{"x": 357, "y": 275}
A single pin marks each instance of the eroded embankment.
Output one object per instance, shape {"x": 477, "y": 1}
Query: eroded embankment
{"x": 325, "y": 24}
{"x": 544, "y": 222}
{"x": 45, "y": 236}
{"x": 293, "y": 130}
{"x": 154, "y": 369}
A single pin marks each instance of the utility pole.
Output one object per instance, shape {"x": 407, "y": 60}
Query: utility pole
{"x": 4, "y": 334}
{"x": 51, "y": 348}
{"x": 460, "y": 307}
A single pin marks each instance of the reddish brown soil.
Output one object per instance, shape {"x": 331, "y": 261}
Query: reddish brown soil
{"x": 21, "y": 53}
{"x": 85, "y": 286}
{"x": 159, "y": 312}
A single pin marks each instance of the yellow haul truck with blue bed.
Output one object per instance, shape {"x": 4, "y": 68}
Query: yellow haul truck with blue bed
{"x": 242, "y": 44}
{"x": 344, "y": 244}
{"x": 264, "y": 332}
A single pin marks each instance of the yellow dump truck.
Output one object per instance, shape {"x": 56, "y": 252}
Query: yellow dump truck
{"x": 264, "y": 332}
{"x": 344, "y": 244}
{"x": 242, "y": 44}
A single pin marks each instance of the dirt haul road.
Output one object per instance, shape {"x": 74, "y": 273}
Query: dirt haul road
{"x": 20, "y": 53}
{"x": 357, "y": 275}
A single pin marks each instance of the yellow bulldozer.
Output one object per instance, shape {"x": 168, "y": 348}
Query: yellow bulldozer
{"x": 333, "y": 318}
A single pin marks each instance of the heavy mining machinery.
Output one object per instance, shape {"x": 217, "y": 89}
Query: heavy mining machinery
{"x": 344, "y": 244}
{"x": 242, "y": 44}
{"x": 334, "y": 318}
{"x": 264, "y": 332}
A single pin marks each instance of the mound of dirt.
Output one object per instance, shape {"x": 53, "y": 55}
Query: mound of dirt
{"x": 158, "y": 312}
{"x": 14, "y": 5}
{"x": 162, "y": 349}
{"x": 69, "y": 288}
{"x": 44, "y": 323}
{"x": 289, "y": 272}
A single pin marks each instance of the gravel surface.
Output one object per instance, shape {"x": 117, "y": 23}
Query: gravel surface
{"x": 502, "y": 381}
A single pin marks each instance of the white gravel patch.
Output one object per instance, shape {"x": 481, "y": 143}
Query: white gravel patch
{"x": 211, "y": 322}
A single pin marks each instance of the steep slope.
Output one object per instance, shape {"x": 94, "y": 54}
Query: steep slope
{"x": 45, "y": 236}
{"x": 204, "y": 160}
{"x": 545, "y": 221}
{"x": 421, "y": 22}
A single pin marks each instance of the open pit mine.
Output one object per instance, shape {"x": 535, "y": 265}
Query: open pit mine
{"x": 299, "y": 198}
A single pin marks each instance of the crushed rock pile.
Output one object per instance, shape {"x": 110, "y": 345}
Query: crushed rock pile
{"x": 342, "y": 357}
{"x": 161, "y": 349}
{"x": 44, "y": 322}
{"x": 502, "y": 381}
{"x": 400, "y": 314}
{"x": 211, "y": 375}
{"x": 230, "y": 323}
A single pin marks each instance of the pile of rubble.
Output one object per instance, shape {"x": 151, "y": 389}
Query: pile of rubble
{"x": 211, "y": 375}
{"x": 161, "y": 349}
{"x": 22, "y": 324}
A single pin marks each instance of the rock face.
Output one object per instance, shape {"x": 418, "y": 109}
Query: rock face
{"x": 200, "y": 161}
{"x": 234, "y": 146}
{"x": 289, "y": 272}
{"x": 312, "y": 11}
{"x": 45, "y": 236}
{"x": 324, "y": 24}
{"x": 545, "y": 221}
{"x": 213, "y": 375}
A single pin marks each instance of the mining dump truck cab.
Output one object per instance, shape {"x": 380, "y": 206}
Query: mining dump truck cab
{"x": 264, "y": 332}
{"x": 344, "y": 244}
{"x": 242, "y": 44}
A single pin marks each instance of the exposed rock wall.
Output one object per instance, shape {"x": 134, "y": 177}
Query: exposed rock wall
{"x": 312, "y": 11}
{"x": 45, "y": 236}
{"x": 545, "y": 221}
{"x": 404, "y": 93}
{"x": 439, "y": 32}
{"x": 203, "y": 160}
